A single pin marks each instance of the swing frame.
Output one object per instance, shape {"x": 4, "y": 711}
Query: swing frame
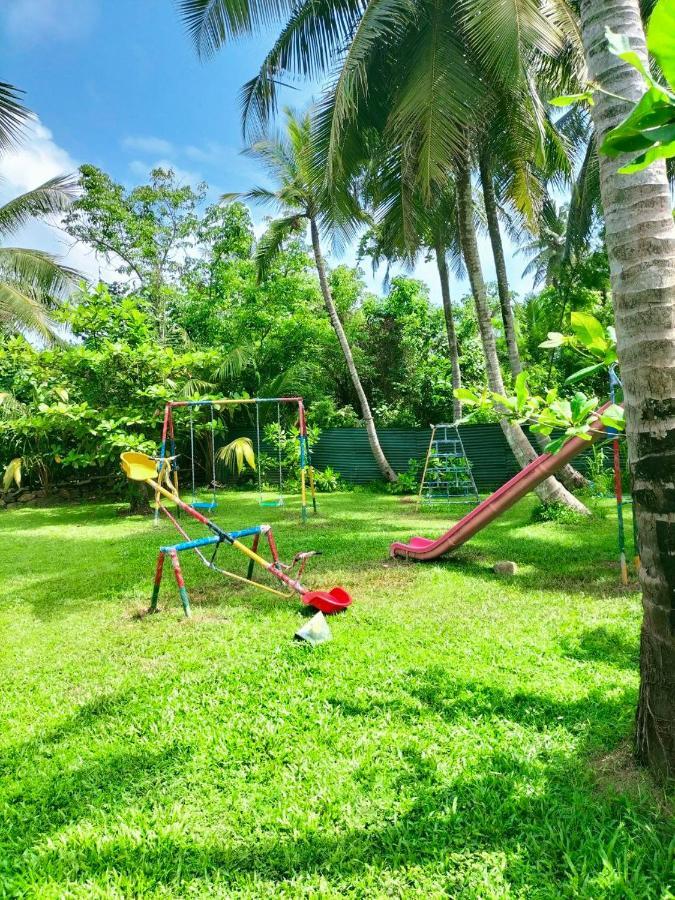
{"x": 168, "y": 438}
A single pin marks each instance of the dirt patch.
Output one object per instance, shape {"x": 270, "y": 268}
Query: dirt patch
{"x": 618, "y": 772}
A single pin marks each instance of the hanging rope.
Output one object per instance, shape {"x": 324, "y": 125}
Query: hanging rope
{"x": 213, "y": 458}
{"x": 192, "y": 456}
{"x": 257, "y": 448}
{"x": 281, "y": 477}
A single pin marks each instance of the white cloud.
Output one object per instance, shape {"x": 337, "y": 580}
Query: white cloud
{"x": 152, "y": 145}
{"x": 35, "y": 21}
{"x": 38, "y": 159}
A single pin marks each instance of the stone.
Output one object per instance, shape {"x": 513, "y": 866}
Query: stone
{"x": 505, "y": 567}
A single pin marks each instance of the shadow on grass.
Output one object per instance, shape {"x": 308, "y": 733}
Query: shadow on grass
{"x": 604, "y": 645}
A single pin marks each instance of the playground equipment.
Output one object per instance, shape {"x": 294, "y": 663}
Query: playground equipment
{"x": 447, "y": 475}
{"x": 158, "y": 475}
{"x": 526, "y": 480}
{"x": 169, "y": 442}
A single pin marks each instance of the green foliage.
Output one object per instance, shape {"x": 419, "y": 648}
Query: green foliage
{"x": 327, "y": 481}
{"x": 77, "y": 407}
{"x": 408, "y": 482}
{"x": 557, "y": 512}
{"x": 649, "y": 128}
{"x": 237, "y": 454}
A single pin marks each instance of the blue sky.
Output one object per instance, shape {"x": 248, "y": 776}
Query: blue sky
{"x": 117, "y": 83}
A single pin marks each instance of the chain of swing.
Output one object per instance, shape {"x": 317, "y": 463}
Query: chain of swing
{"x": 212, "y": 504}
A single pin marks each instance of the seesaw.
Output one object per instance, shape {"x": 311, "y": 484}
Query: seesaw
{"x": 156, "y": 474}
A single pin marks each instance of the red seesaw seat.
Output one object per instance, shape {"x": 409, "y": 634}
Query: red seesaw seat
{"x": 328, "y": 602}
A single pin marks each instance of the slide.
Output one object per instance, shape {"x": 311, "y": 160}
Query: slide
{"x": 502, "y": 499}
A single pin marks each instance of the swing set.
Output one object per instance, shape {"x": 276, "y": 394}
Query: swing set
{"x": 169, "y": 442}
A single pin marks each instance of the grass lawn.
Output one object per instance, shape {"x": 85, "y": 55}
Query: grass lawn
{"x": 463, "y": 735}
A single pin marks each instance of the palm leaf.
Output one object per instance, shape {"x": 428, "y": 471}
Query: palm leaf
{"x": 211, "y": 23}
{"x": 12, "y": 473}
{"x": 51, "y": 198}
{"x": 13, "y": 115}
{"x": 237, "y": 453}
{"x": 37, "y": 271}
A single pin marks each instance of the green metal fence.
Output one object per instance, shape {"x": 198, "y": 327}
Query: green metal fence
{"x": 347, "y": 451}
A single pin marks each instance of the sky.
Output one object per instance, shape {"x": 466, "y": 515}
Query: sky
{"x": 117, "y": 83}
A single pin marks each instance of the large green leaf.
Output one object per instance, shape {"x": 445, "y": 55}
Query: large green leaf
{"x": 661, "y": 38}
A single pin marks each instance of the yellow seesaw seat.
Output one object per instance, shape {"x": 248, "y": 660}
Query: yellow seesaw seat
{"x": 138, "y": 466}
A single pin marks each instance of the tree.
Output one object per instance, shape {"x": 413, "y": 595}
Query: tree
{"x": 432, "y": 230}
{"x": 640, "y": 239}
{"x": 302, "y": 200}
{"x": 33, "y": 282}
{"x": 550, "y": 491}
{"x": 147, "y": 231}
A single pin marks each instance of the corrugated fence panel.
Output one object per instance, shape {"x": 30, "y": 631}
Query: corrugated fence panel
{"x": 347, "y": 451}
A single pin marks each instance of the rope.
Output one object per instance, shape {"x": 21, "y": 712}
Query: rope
{"x": 257, "y": 449}
{"x": 213, "y": 457}
{"x": 192, "y": 454}
{"x": 281, "y": 477}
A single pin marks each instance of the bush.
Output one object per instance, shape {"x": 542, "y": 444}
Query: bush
{"x": 557, "y": 512}
{"x": 328, "y": 481}
{"x": 407, "y": 482}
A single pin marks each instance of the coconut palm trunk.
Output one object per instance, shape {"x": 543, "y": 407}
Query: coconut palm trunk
{"x": 492, "y": 218}
{"x": 550, "y": 491}
{"x": 373, "y": 439}
{"x": 453, "y": 349}
{"x": 641, "y": 246}
{"x": 568, "y": 475}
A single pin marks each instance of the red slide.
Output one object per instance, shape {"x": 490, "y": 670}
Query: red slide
{"x": 502, "y": 499}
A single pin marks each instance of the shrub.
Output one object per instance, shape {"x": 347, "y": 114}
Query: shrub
{"x": 557, "y": 512}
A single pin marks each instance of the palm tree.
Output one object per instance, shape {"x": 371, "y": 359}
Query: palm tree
{"x": 32, "y": 282}
{"x": 551, "y": 490}
{"x": 418, "y": 74}
{"x": 435, "y": 234}
{"x": 640, "y": 237}
{"x": 302, "y": 200}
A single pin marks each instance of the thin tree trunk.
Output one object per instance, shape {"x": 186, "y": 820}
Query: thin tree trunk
{"x": 373, "y": 439}
{"x": 500, "y": 264}
{"x": 453, "y": 349}
{"x": 550, "y": 491}
{"x": 568, "y": 475}
{"x": 641, "y": 246}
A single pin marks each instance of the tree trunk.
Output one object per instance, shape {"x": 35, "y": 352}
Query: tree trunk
{"x": 373, "y": 439}
{"x": 641, "y": 246}
{"x": 453, "y": 349}
{"x": 500, "y": 264}
{"x": 550, "y": 491}
{"x": 568, "y": 475}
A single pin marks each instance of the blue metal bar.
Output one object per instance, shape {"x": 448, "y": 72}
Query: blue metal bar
{"x": 245, "y": 532}
{"x": 190, "y": 545}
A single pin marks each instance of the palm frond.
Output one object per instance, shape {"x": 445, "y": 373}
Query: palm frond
{"x": 212, "y": 23}
{"x": 237, "y": 454}
{"x": 314, "y": 36}
{"x": 51, "y": 198}
{"x": 269, "y": 245}
{"x": 39, "y": 272}
{"x": 21, "y": 311}
{"x": 13, "y": 115}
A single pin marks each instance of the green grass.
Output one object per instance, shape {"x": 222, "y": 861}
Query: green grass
{"x": 463, "y": 735}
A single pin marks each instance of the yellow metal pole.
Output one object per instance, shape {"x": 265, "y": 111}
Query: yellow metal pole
{"x": 426, "y": 464}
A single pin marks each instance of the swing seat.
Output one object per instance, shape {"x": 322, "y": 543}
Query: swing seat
{"x": 204, "y": 504}
{"x": 333, "y": 601}
{"x": 278, "y": 502}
